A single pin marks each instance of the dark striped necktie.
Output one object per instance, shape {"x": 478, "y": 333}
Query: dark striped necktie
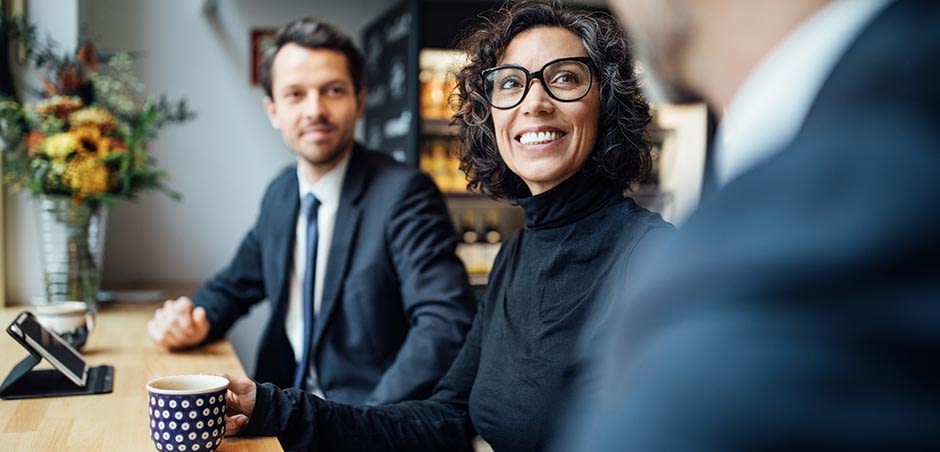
{"x": 309, "y": 209}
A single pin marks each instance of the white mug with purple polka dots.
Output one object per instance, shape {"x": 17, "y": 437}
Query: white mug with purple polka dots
{"x": 187, "y": 412}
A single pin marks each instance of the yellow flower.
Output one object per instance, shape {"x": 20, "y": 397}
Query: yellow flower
{"x": 86, "y": 133}
{"x": 59, "y": 145}
{"x": 91, "y": 141}
{"x": 93, "y": 117}
{"x": 87, "y": 175}
{"x": 58, "y": 106}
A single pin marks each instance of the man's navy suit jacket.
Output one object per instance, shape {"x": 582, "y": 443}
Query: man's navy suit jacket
{"x": 799, "y": 307}
{"x": 396, "y": 303}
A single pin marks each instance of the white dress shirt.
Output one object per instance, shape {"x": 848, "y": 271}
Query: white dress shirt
{"x": 327, "y": 190}
{"x": 769, "y": 108}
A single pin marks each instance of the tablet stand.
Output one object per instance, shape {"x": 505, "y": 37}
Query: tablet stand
{"x": 25, "y": 383}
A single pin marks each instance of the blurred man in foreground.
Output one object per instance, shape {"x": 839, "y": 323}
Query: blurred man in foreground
{"x": 799, "y": 308}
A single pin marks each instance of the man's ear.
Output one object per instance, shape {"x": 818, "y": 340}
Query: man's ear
{"x": 271, "y": 110}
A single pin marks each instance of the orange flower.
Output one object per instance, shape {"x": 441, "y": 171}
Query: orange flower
{"x": 58, "y": 106}
{"x": 33, "y": 140}
{"x": 88, "y": 57}
{"x": 69, "y": 80}
{"x": 87, "y": 175}
{"x": 118, "y": 145}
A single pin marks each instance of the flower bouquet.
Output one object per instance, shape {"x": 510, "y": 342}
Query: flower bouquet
{"x": 80, "y": 147}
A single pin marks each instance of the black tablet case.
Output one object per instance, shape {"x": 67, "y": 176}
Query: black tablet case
{"x": 25, "y": 383}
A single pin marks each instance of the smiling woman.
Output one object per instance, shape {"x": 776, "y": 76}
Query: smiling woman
{"x": 617, "y": 151}
{"x": 548, "y": 134}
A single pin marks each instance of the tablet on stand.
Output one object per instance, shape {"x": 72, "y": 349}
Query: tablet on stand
{"x": 70, "y": 374}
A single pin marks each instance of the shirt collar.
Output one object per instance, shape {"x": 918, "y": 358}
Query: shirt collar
{"x": 769, "y": 108}
{"x": 329, "y": 187}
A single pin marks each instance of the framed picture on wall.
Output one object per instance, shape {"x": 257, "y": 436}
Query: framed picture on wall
{"x": 261, "y": 39}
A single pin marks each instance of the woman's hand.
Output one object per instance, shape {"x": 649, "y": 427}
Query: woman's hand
{"x": 239, "y": 403}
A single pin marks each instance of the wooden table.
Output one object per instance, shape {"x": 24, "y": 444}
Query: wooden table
{"x": 115, "y": 421}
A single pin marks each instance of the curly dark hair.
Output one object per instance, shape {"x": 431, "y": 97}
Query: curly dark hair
{"x": 621, "y": 154}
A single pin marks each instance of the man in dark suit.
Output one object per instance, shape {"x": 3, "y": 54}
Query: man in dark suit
{"x": 799, "y": 307}
{"x": 354, "y": 251}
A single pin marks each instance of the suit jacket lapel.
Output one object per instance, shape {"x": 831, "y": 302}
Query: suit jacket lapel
{"x": 283, "y": 223}
{"x": 344, "y": 236}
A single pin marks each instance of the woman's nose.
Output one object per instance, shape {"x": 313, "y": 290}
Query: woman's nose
{"x": 537, "y": 101}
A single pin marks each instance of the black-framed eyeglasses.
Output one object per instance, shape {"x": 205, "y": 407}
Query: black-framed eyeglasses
{"x": 565, "y": 80}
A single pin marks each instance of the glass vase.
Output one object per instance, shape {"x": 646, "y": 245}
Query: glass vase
{"x": 71, "y": 245}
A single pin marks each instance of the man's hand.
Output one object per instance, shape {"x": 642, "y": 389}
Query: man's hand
{"x": 178, "y": 324}
{"x": 239, "y": 403}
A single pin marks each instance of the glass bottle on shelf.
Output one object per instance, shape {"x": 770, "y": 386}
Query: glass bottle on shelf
{"x": 458, "y": 181}
{"x": 492, "y": 238}
{"x": 439, "y": 165}
{"x": 433, "y": 94}
{"x": 427, "y": 93}
{"x": 450, "y": 85}
{"x": 470, "y": 250}
{"x": 425, "y": 162}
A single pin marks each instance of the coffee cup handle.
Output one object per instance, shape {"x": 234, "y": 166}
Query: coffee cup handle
{"x": 90, "y": 317}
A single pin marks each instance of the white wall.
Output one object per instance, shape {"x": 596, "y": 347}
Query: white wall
{"x": 220, "y": 162}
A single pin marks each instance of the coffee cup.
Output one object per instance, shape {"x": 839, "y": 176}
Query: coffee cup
{"x": 72, "y": 320}
{"x": 187, "y": 412}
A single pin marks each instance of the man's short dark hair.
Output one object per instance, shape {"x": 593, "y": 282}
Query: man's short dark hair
{"x": 314, "y": 34}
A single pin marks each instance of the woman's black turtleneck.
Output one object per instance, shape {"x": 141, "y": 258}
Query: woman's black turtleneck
{"x": 510, "y": 374}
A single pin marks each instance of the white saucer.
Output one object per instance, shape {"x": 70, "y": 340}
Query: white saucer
{"x": 131, "y": 296}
